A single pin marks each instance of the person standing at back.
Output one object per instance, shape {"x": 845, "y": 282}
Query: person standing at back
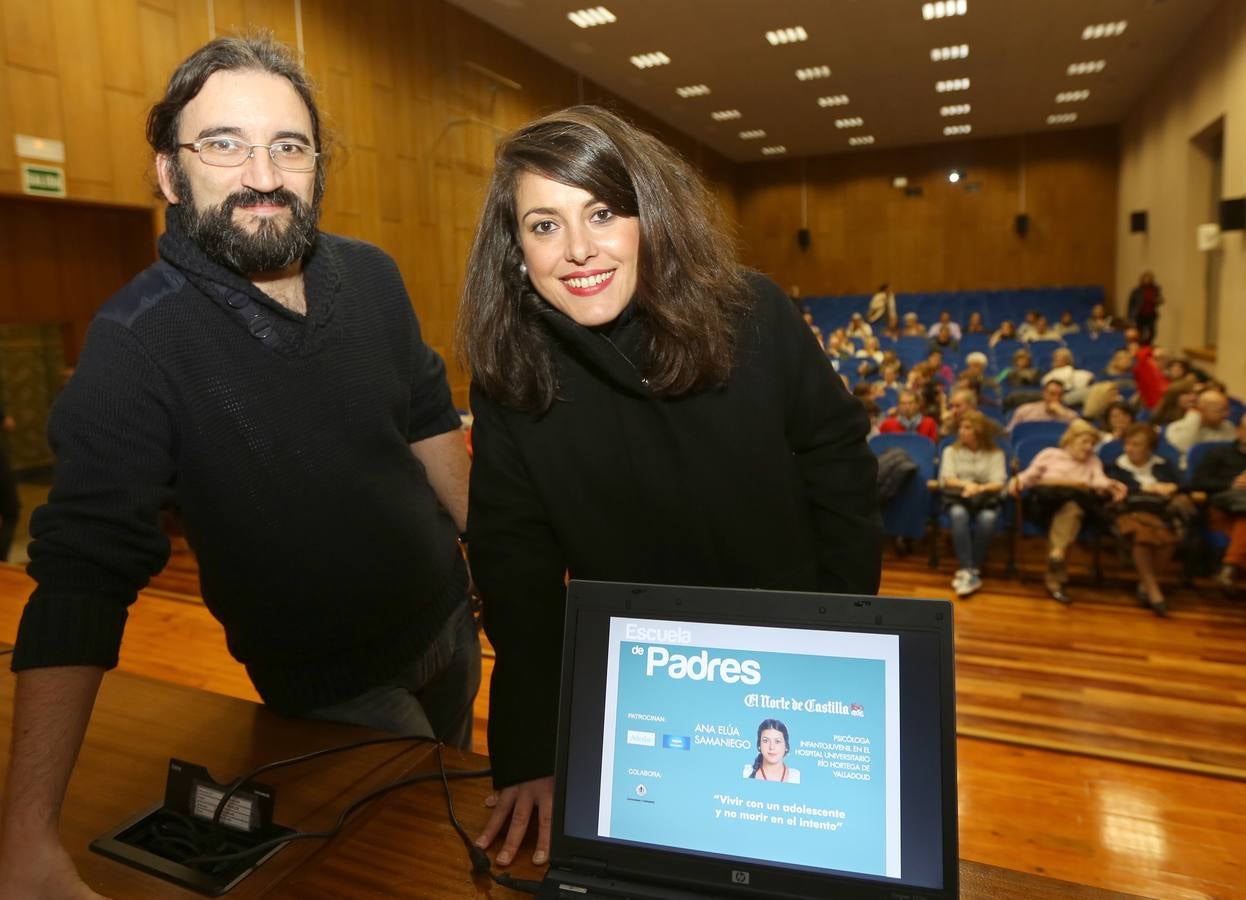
{"x": 270, "y": 381}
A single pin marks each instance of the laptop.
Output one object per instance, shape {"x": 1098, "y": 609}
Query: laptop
{"x": 737, "y": 743}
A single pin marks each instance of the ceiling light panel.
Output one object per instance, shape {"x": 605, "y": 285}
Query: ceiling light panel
{"x": 649, "y": 60}
{"x": 836, "y": 100}
{"x": 1061, "y": 118}
{"x": 949, "y": 130}
{"x": 725, "y": 115}
{"x": 792, "y": 35}
{"x": 956, "y": 51}
{"x": 773, "y": 151}
{"x": 752, "y": 134}
{"x": 941, "y": 9}
{"x": 1090, "y": 67}
{"x": 960, "y": 109}
{"x": 1104, "y": 30}
{"x": 590, "y": 18}
{"x": 853, "y": 122}
{"x": 952, "y": 84}
{"x": 813, "y": 72}
{"x": 860, "y": 140}
{"x": 1072, "y": 96}
{"x": 692, "y": 90}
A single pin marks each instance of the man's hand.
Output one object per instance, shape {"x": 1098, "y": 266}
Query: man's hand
{"x": 40, "y": 870}
{"x": 518, "y": 802}
{"x": 970, "y": 488}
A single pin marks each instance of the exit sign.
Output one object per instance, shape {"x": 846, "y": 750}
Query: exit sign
{"x": 42, "y": 180}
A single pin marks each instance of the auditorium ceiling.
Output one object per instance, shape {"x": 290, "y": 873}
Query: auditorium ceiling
{"x": 1005, "y": 66}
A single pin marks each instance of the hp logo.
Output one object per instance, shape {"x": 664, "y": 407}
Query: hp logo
{"x": 739, "y": 876}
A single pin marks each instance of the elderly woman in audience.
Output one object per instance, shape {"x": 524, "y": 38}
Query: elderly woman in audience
{"x": 858, "y": 329}
{"x": 912, "y": 327}
{"x": 972, "y": 475}
{"x": 1073, "y": 478}
{"x": 618, "y": 352}
{"x": 1222, "y": 475}
{"x": 1007, "y": 332}
{"x": 1152, "y": 517}
{"x": 1022, "y": 372}
{"x": 1120, "y": 368}
{"x": 869, "y": 357}
{"x": 975, "y": 325}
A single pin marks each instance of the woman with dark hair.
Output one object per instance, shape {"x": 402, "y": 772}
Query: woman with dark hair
{"x": 773, "y": 745}
{"x": 1117, "y": 418}
{"x": 645, "y": 410}
{"x": 1153, "y": 517}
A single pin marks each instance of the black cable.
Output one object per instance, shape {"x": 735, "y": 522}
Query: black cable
{"x": 481, "y": 864}
{"x": 307, "y": 757}
{"x": 341, "y": 819}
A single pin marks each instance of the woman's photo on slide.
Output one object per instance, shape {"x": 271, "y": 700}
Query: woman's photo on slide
{"x": 773, "y": 745}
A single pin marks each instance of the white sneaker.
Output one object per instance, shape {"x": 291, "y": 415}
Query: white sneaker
{"x": 972, "y": 583}
{"x": 959, "y": 579}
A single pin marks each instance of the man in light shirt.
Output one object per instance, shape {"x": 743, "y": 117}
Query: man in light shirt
{"x": 945, "y": 319}
{"x": 1208, "y": 421}
{"x": 1049, "y": 409}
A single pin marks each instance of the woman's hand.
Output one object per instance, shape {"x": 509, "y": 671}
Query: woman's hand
{"x": 517, "y": 803}
{"x": 969, "y": 488}
{"x": 1117, "y": 491}
{"x": 1163, "y": 488}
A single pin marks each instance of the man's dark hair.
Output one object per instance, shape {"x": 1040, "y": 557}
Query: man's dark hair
{"x": 257, "y": 52}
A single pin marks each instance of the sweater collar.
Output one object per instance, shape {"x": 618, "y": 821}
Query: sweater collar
{"x": 617, "y": 350}
{"x": 232, "y": 291}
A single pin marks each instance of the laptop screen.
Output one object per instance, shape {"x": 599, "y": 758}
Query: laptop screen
{"x": 806, "y": 749}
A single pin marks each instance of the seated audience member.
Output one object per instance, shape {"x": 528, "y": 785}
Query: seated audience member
{"x": 1050, "y": 408}
{"x": 1222, "y": 474}
{"x": 1098, "y": 398}
{"x": 1207, "y": 421}
{"x": 1066, "y": 372}
{"x": 875, "y": 414}
{"x": 1066, "y": 325}
{"x": 912, "y": 327}
{"x": 1074, "y": 475}
{"x": 940, "y": 370}
{"x": 890, "y": 371}
{"x": 945, "y": 321}
{"x": 975, "y": 325}
{"x": 1042, "y": 331}
{"x": 910, "y": 419}
{"x": 1153, "y": 517}
{"x": 976, "y": 366}
{"x": 1099, "y": 321}
{"x": 871, "y": 349}
{"x": 891, "y": 331}
{"x": 1007, "y": 332}
{"x": 1027, "y": 325}
{"x": 944, "y": 340}
{"x": 1178, "y": 399}
{"x": 817, "y": 332}
{"x": 1115, "y": 420}
{"x": 929, "y": 390}
{"x": 838, "y": 350}
{"x": 882, "y": 308}
{"x": 858, "y": 329}
{"x": 972, "y": 473}
{"x": 1147, "y": 372}
{"x": 1179, "y": 368}
{"x": 1022, "y": 372}
{"x": 960, "y": 403}
{"x": 1120, "y": 368}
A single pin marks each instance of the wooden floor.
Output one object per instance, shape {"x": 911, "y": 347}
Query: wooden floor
{"x": 1065, "y": 688}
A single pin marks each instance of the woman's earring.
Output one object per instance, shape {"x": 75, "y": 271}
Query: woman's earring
{"x": 523, "y": 269}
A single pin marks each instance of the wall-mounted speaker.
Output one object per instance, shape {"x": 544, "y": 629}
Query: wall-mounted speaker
{"x": 1022, "y": 224}
{"x": 1233, "y": 214}
{"x": 803, "y": 239}
{"x": 1137, "y": 222}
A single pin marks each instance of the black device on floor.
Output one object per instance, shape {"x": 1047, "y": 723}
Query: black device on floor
{"x": 187, "y": 825}
{"x": 736, "y": 743}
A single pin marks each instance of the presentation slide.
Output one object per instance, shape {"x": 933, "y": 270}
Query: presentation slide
{"x": 763, "y": 743}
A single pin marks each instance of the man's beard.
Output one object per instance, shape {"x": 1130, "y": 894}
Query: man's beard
{"x": 272, "y": 247}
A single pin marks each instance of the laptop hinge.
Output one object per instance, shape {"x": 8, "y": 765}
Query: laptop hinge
{"x": 584, "y": 864}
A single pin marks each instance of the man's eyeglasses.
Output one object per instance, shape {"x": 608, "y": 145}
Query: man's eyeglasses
{"x": 290, "y": 156}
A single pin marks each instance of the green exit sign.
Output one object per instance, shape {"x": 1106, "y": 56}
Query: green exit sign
{"x": 42, "y": 180}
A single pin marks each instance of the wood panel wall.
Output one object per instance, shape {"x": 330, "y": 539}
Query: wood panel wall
{"x": 864, "y": 231}
{"x": 415, "y": 122}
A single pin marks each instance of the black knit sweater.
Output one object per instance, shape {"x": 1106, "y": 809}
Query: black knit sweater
{"x": 766, "y": 483}
{"x": 283, "y": 440}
